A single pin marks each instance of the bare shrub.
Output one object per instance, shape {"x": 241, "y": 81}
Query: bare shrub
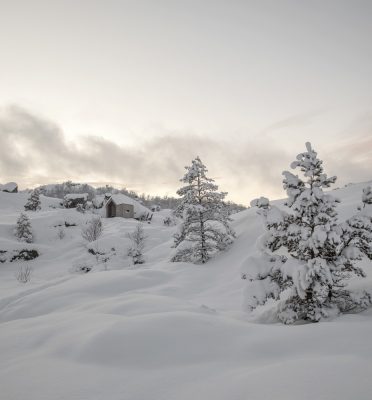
{"x": 93, "y": 229}
{"x": 169, "y": 221}
{"x": 61, "y": 233}
{"x": 24, "y": 274}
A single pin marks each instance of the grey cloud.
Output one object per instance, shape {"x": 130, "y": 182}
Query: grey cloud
{"x": 294, "y": 120}
{"x": 34, "y": 151}
{"x": 351, "y": 156}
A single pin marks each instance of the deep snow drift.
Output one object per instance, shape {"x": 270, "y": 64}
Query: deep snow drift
{"x": 161, "y": 330}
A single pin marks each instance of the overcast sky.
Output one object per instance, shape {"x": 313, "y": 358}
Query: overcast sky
{"x": 128, "y": 92}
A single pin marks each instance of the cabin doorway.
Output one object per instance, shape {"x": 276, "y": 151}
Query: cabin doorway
{"x": 110, "y": 210}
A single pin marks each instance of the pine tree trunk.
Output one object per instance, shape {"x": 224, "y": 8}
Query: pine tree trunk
{"x": 204, "y": 255}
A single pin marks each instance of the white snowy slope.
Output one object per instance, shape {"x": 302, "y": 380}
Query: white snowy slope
{"x": 161, "y": 330}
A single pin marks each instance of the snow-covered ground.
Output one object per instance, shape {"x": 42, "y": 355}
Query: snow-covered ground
{"x": 160, "y": 330}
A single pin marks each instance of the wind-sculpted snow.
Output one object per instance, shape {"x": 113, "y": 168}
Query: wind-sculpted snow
{"x": 163, "y": 330}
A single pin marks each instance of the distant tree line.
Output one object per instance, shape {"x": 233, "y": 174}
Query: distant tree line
{"x": 60, "y": 190}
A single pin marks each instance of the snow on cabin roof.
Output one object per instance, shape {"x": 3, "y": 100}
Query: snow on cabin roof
{"x": 123, "y": 199}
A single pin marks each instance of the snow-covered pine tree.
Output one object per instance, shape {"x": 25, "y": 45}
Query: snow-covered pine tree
{"x": 33, "y": 202}
{"x": 367, "y": 195}
{"x": 307, "y": 256}
{"x": 23, "y": 229}
{"x": 205, "y": 228}
{"x": 137, "y": 244}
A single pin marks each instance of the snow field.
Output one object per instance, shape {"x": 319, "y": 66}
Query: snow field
{"x": 161, "y": 330}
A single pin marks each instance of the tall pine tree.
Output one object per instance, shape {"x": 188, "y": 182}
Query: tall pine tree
{"x": 205, "y": 228}
{"x": 307, "y": 256}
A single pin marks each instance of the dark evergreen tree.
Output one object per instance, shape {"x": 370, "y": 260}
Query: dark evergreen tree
{"x": 23, "y": 229}
{"x": 33, "y": 202}
{"x": 309, "y": 278}
{"x": 205, "y": 228}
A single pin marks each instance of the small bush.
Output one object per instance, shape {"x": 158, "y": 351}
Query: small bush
{"x": 25, "y": 255}
{"x": 83, "y": 268}
{"x": 147, "y": 217}
{"x": 68, "y": 224}
{"x": 95, "y": 252}
{"x": 3, "y": 256}
{"x": 24, "y": 274}
{"x": 92, "y": 230}
{"x": 61, "y": 233}
{"x": 168, "y": 221}
{"x": 137, "y": 239}
{"x": 80, "y": 208}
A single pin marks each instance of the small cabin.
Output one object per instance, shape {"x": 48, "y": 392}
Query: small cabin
{"x": 119, "y": 210}
{"x": 120, "y": 205}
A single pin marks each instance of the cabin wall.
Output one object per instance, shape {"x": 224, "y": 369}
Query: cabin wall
{"x": 119, "y": 210}
{"x": 125, "y": 210}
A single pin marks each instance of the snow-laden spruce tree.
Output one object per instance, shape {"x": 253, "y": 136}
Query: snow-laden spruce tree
{"x": 306, "y": 255}
{"x": 205, "y": 227}
{"x": 23, "y": 229}
{"x": 137, "y": 244}
{"x": 367, "y": 196}
{"x": 33, "y": 202}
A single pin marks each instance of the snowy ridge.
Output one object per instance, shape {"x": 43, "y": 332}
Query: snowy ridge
{"x": 162, "y": 330}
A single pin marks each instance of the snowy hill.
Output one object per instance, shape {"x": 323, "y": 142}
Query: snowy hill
{"x": 162, "y": 330}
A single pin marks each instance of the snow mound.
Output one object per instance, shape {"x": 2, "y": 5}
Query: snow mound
{"x": 10, "y": 187}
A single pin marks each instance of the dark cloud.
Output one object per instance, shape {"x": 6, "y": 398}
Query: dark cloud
{"x": 34, "y": 151}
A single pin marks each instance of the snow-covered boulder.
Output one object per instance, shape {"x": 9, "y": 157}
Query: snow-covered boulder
{"x": 72, "y": 200}
{"x": 10, "y": 187}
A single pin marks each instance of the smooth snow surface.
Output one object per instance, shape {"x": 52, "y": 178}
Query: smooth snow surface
{"x": 161, "y": 330}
